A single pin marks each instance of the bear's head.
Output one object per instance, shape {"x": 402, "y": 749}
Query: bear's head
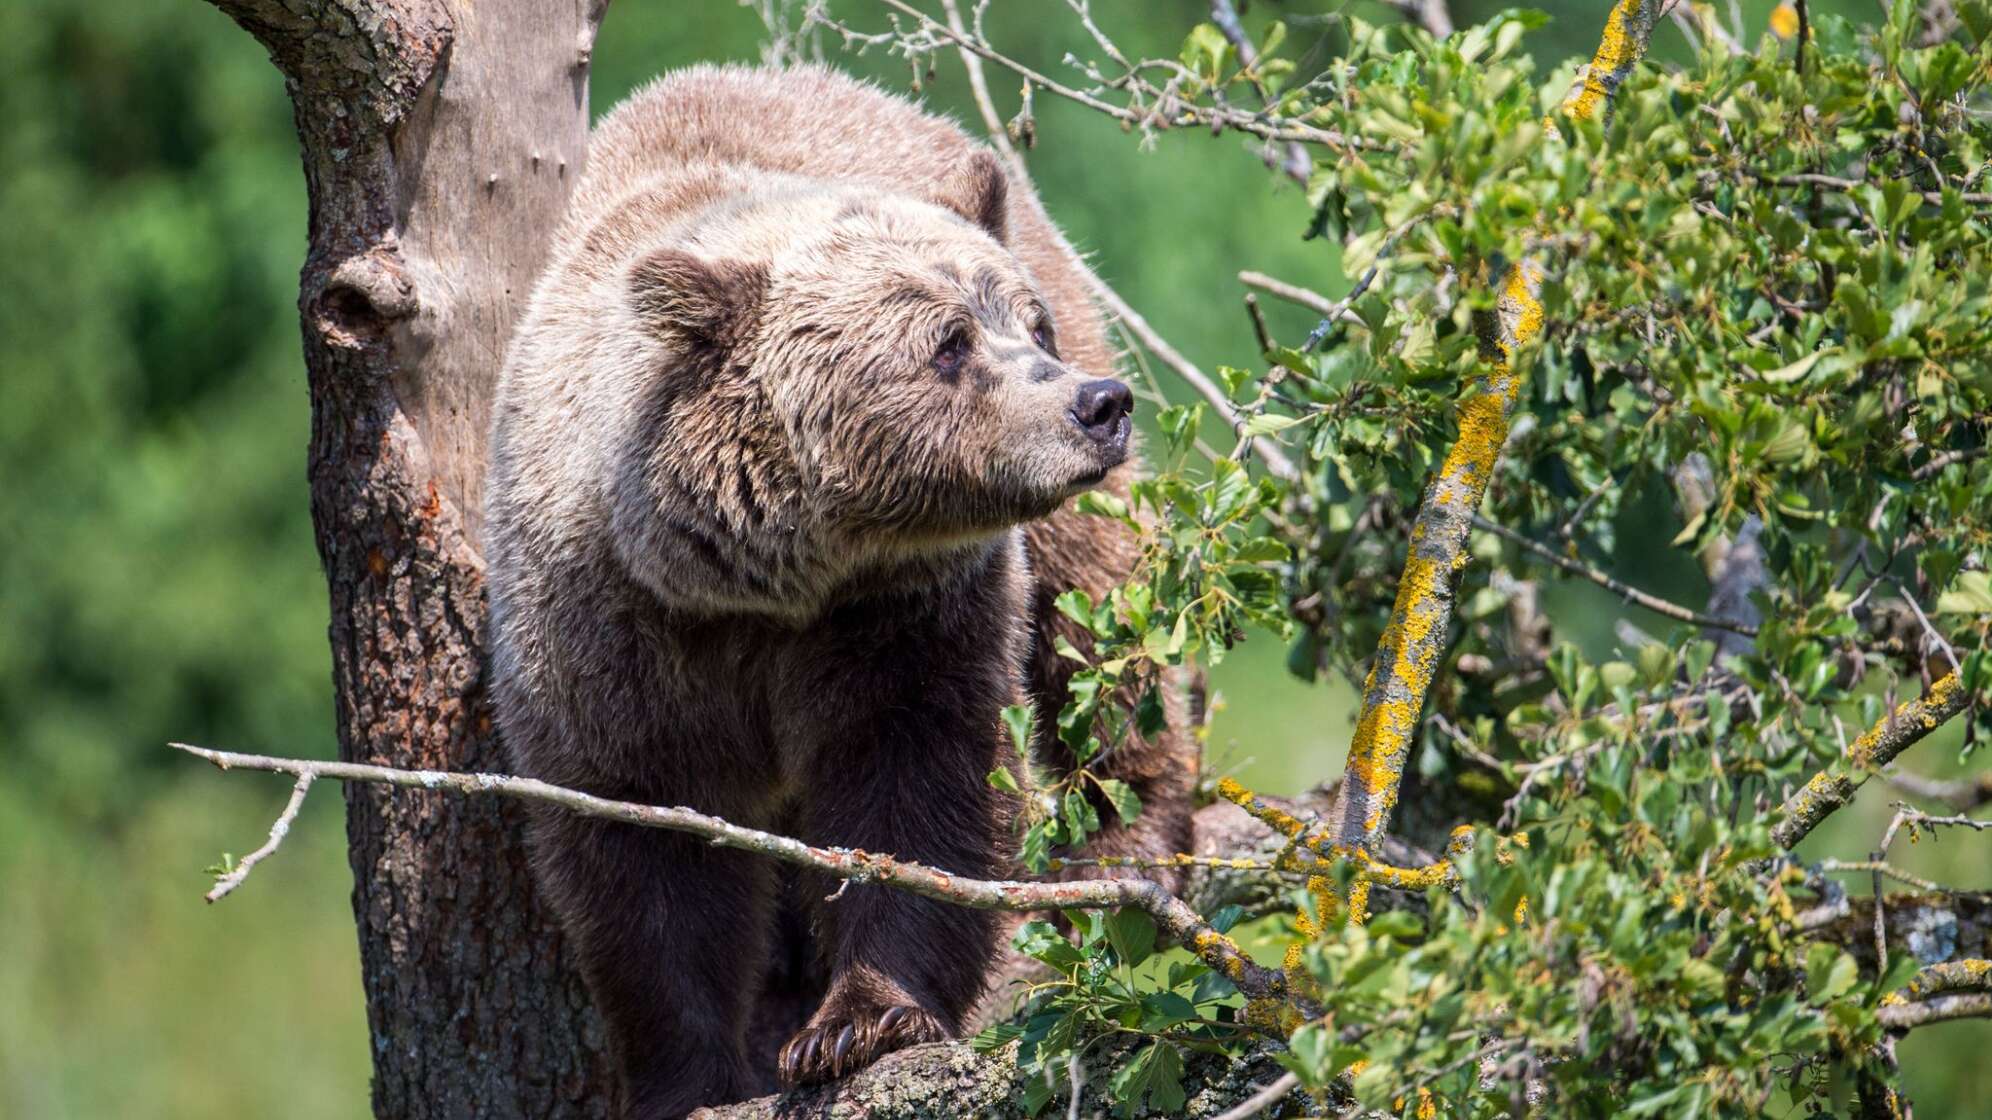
{"x": 867, "y": 366}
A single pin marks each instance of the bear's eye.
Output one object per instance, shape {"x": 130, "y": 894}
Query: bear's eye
{"x": 952, "y": 353}
{"x": 1041, "y": 334}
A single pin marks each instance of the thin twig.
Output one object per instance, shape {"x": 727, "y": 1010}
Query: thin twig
{"x": 234, "y": 876}
{"x": 1877, "y": 867}
{"x": 1173, "y": 916}
{"x": 1306, "y": 297}
{"x": 1432, "y": 15}
{"x": 1296, "y": 164}
{"x": 1943, "y": 644}
{"x": 1626, "y": 591}
{"x": 1837, "y": 183}
{"x": 1259, "y": 328}
{"x": 1268, "y": 128}
{"x": 1938, "y": 462}
{"x": 1269, "y": 453}
{"x": 1961, "y": 794}
{"x": 978, "y": 85}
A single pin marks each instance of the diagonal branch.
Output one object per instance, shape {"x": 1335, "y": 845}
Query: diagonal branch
{"x": 1899, "y": 730}
{"x": 1306, "y": 297}
{"x": 1938, "y": 993}
{"x": 1173, "y": 916}
{"x": 234, "y": 876}
{"x": 1432, "y": 15}
{"x": 1624, "y": 590}
{"x": 1961, "y": 794}
{"x": 1415, "y": 638}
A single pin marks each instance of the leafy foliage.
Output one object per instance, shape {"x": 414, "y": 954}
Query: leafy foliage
{"x": 1769, "y": 291}
{"x": 1102, "y": 992}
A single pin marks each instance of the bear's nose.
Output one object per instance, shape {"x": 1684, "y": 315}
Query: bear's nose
{"x": 1100, "y": 408}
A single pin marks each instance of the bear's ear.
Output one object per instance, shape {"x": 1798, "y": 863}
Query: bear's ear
{"x": 712, "y": 302}
{"x": 978, "y": 191}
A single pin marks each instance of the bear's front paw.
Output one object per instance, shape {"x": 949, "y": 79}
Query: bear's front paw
{"x": 848, "y": 1041}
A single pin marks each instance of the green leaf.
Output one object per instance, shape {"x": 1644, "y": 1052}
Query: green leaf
{"x": 1829, "y": 973}
{"x": 1132, "y": 934}
{"x": 1971, "y": 593}
{"x": 1311, "y": 1047}
{"x": 1266, "y": 423}
{"x": 1102, "y": 503}
{"x": 1018, "y": 719}
{"x": 995, "y": 1037}
{"x": 1204, "y": 51}
{"x": 1226, "y": 917}
{"x": 1002, "y": 779}
{"x": 1034, "y": 851}
{"x": 1235, "y": 380}
{"x": 1077, "y": 606}
{"x": 1126, "y": 803}
{"x": 1038, "y": 1093}
{"x": 1162, "y": 1010}
{"x": 1155, "y": 1073}
{"x": 1041, "y": 941}
{"x": 1081, "y": 819}
{"x": 1796, "y": 371}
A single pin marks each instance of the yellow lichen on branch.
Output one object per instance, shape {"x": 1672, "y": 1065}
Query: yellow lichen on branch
{"x": 1627, "y": 30}
{"x": 1414, "y": 639}
{"x": 1876, "y": 747}
{"x": 1314, "y": 849}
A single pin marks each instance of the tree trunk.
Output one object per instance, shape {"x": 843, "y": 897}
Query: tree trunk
{"x": 440, "y": 140}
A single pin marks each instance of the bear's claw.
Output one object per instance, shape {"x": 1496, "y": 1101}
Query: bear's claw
{"x": 849, "y": 1042}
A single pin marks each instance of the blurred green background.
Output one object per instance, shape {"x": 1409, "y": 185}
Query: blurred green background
{"x": 157, "y": 574}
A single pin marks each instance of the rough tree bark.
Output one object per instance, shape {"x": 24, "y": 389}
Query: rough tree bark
{"x": 440, "y": 139}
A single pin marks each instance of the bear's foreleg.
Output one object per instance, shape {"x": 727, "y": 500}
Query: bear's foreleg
{"x": 904, "y": 969}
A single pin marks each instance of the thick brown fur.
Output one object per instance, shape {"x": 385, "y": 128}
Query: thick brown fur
{"x": 802, "y": 364}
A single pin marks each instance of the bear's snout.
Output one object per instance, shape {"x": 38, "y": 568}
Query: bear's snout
{"x": 1101, "y": 409}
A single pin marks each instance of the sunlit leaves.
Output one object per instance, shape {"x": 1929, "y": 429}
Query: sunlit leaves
{"x": 1783, "y": 276}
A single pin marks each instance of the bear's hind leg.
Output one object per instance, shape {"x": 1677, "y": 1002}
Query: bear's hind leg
{"x": 672, "y": 936}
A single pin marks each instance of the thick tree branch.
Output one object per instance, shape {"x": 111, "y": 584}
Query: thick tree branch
{"x": 1929, "y": 927}
{"x": 1174, "y": 917}
{"x": 1960, "y": 989}
{"x": 1415, "y": 638}
{"x": 942, "y": 1081}
{"x": 439, "y": 142}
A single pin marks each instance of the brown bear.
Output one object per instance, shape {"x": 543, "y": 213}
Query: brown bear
{"x": 780, "y": 465}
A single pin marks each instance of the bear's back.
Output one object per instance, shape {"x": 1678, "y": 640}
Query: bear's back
{"x": 809, "y": 121}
